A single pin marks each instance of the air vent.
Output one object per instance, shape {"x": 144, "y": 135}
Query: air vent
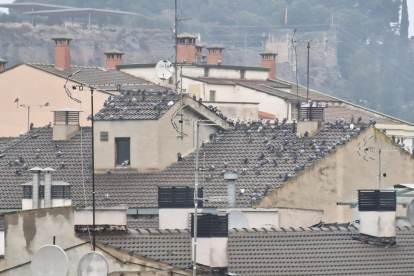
{"x": 178, "y": 197}
{"x": 211, "y": 226}
{"x": 311, "y": 113}
{"x": 104, "y": 136}
{"x": 376, "y": 200}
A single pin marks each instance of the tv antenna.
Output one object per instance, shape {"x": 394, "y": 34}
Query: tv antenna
{"x": 363, "y": 152}
{"x": 28, "y": 106}
{"x": 164, "y": 70}
{"x": 309, "y": 41}
{"x": 50, "y": 260}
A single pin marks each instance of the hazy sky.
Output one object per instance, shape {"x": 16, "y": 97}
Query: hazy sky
{"x": 410, "y": 12}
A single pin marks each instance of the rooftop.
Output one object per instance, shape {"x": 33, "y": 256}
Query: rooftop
{"x": 133, "y": 105}
{"x": 114, "y": 51}
{"x": 184, "y": 35}
{"x": 215, "y": 46}
{"x": 289, "y": 251}
{"x": 139, "y": 190}
{"x": 100, "y": 78}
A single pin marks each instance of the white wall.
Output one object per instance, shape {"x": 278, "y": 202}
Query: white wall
{"x": 256, "y": 75}
{"x": 146, "y": 73}
{"x": 175, "y": 218}
{"x": 1, "y": 243}
{"x": 27, "y": 203}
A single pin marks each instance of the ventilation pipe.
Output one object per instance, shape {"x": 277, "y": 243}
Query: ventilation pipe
{"x": 48, "y": 187}
{"x": 35, "y": 187}
{"x": 231, "y": 189}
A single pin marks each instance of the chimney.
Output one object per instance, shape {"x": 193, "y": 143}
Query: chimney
{"x": 113, "y": 58}
{"x": 175, "y": 204}
{"x": 377, "y": 216}
{"x": 186, "y": 48}
{"x": 231, "y": 189}
{"x": 35, "y": 187}
{"x": 66, "y": 124}
{"x": 2, "y": 65}
{"x": 199, "y": 53}
{"x": 212, "y": 238}
{"x": 62, "y": 53}
{"x": 48, "y": 187}
{"x": 215, "y": 54}
{"x": 269, "y": 61}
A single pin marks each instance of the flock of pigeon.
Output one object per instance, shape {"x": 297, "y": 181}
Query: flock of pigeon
{"x": 272, "y": 149}
{"x": 131, "y": 104}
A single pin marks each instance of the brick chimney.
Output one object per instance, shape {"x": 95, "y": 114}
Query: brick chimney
{"x": 62, "y": 53}
{"x": 113, "y": 58}
{"x": 186, "y": 48}
{"x": 215, "y": 54}
{"x": 2, "y": 65}
{"x": 199, "y": 53}
{"x": 269, "y": 61}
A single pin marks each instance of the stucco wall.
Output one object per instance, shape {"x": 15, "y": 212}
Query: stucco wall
{"x": 338, "y": 176}
{"x": 36, "y": 87}
{"x": 1, "y": 243}
{"x": 237, "y": 110}
{"x": 27, "y": 231}
{"x": 153, "y": 143}
{"x": 256, "y": 75}
{"x": 146, "y": 73}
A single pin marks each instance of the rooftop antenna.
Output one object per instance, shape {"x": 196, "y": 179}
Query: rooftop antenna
{"x": 50, "y": 260}
{"x": 177, "y": 20}
{"x": 296, "y": 64}
{"x": 363, "y": 150}
{"x": 28, "y": 106}
{"x": 307, "y": 75}
{"x": 91, "y": 88}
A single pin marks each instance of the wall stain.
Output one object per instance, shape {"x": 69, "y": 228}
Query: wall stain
{"x": 29, "y": 229}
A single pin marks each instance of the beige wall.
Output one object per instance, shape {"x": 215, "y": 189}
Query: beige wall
{"x": 154, "y": 143}
{"x": 256, "y": 75}
{"x": 237, "y": 110}
{"x": 36, "y": 87}
{"x": 27, "y": 231}
{"x": 338, "y": 176}
{"x": 146, "y": 73}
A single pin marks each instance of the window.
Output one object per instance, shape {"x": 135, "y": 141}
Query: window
{"x": 206, "y": 72}
{"x": 212, "y": 95}
{"x": 122, "y": 151}
{"x": 294, "y": 111}
{"x": 104, "y": 136}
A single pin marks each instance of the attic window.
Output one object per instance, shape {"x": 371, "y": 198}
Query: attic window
{"x": 122, "y": 151}
{"x": 104, "y": 136}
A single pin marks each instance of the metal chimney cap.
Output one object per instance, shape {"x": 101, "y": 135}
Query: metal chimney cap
{"x": 36, "y": 169}
{"x": 48, "y": 169}
{"x": 230, "y": 176}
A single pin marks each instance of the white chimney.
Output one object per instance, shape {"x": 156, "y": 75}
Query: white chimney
{"x": 377, "y": 216}
{"x": 175, "y": 204}
{"x": 35, "y": 187}
{"x": 231, "y": 189}
{"x": 212, "y": 238}
{"x": 48, "y": 187}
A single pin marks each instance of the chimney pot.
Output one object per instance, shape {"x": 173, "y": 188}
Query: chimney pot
{"x": 215, "y": 54}
{"x": 113, "y": 58}
{"x": 62, "y": 53}
{"x": 269, "y": 61}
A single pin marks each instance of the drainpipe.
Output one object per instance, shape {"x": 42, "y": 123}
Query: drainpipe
{"x": 231, "y": 189}
{"x": 35, "y": 187}
{"x": 48, "y": 187}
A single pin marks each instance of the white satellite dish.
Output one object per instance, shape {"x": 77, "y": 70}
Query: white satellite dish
{"x": 164, "y": 69}
{"x": 237, "y": 219}
{"x": 410, "y": 212}
{"x": 93, "y": 264}
{"x": 50, "y": 260}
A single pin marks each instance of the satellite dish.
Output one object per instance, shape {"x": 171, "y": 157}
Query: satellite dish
{"x": 237, "y": 219}
{"x": 93, "y": 264}
{"x": 50, "y": 260}
{"x": 410, "y": 212}
{"x": 164, "y": 69}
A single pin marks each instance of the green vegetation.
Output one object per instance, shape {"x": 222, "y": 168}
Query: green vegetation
{"x": 375, "y": 56}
